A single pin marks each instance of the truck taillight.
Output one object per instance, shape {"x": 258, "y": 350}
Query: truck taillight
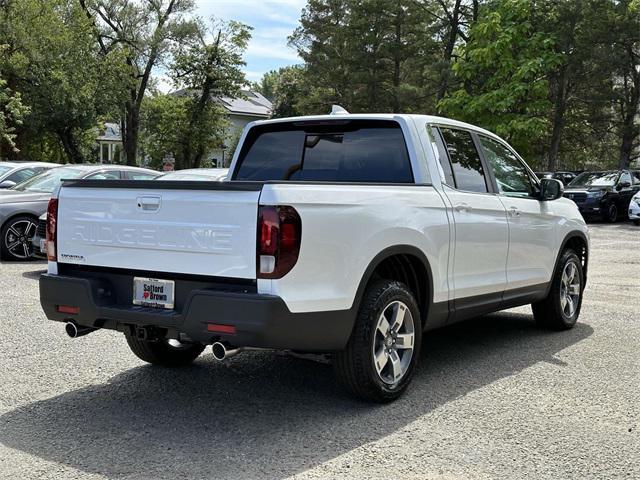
{"x": 279, "y": 234}
{"x": 52, "y": 218}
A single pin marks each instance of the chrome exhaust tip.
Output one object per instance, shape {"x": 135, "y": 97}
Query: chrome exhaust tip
{"x": 223, "y": 350}
{"x": 74, "y": 330}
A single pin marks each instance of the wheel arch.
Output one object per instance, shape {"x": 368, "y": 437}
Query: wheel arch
{"x": 579, "y": 242}
{"x": 25, "y": 213}
{"x": 405, "y": 263}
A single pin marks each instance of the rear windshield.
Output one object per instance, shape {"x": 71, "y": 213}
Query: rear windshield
{"x": 329, "y": 151}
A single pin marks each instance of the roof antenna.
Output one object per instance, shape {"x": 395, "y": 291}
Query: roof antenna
{"x": 338, "y": 110}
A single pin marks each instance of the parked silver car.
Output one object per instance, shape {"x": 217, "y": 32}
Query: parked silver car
{"x": 13, "y": 173}
{"x": 21, "y": 205}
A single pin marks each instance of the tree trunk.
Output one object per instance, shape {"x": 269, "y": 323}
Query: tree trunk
{"x": 630, "y": 130}
{"x": 188, "y": 158}
{"x": 129, "y": 132}
{"x": 452, "y": 37}
{"x": 560, "y": 94}
{"x": 197, "y": 159}
{"x": 626, "y": 147}
{"x": 70, "y": 146}
{"x": 397, "y": 61}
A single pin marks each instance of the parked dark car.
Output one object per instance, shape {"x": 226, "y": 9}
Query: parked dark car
{"x": 21, "y": 205}
{"x": 604, "y": 194}
{"x": 564, "y": 177}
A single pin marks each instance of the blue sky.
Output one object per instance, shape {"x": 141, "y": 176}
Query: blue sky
{"x": 272, "y": 21}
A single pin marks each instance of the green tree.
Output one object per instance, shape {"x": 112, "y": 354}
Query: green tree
{"x": 625, "y": 25}
{"x": 378, "y": 55}
{"x": 288, "y": 88}
{"x": 12, "y": 111}
{"x": 50, "y": 60}
{"x": 139, "y": 34}
{"x": 206, "y": 69}
{"x": 166, "y": 120}
{"x": 505, "y": 68}
{"x": 450, "y": 23}
{"x": 267, "y": 84}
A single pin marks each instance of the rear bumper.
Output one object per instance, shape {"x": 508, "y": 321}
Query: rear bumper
{"x": 262, "y": 321}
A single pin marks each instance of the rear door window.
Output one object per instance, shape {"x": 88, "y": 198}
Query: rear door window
{"x": 341, "y": 151}
{"x": 465, "y": 160}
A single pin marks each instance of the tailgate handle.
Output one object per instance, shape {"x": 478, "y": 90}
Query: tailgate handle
{"x": 149, "y": 203}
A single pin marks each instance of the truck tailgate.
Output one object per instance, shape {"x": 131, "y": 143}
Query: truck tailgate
{"x": 174, "y": 227}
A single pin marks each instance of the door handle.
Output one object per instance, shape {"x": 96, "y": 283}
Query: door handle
{"x": 149, "y": 203}
{"x": 463, "y": 207}
{"x": 514, "y": 212}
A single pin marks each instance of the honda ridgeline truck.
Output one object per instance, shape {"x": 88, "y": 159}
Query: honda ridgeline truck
{"x": 350, "y": 235}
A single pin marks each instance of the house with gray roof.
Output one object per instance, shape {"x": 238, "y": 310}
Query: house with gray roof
{"x": 240, "y": 111}
{"x": 254, "y": 106}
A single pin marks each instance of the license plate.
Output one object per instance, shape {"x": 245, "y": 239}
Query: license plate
{"x": 151, "y": 292}
{"x": 43, "y": 245}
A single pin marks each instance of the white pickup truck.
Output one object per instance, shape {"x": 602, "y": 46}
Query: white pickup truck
{"x": 343, "y": 234}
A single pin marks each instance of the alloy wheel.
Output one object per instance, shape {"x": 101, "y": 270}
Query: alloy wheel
{"x": 393, "y": 342}
{"x": 18, "y": 238}
{"x": 570, "y": 289}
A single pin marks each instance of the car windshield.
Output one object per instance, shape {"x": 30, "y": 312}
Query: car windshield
{"x": 4, "y": 169}
{"x": 595, "y": 179}
{"x": 47, "y": 182}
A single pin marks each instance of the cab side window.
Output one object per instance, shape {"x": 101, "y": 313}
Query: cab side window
{"x": 465, "y": 160}
{"x": 512, "y": 176}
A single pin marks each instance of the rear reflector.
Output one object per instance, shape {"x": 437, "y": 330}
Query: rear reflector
{"x": 68, "y": 309}
{"x": 226, "y": 329}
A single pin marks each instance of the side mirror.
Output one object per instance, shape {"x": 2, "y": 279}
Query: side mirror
{"x": 550, "y": 189}
{"x": 622, "y": 185}
{"x": 7, "y": 184}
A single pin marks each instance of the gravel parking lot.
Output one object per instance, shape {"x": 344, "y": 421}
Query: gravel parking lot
{"x": 493, "y": 398}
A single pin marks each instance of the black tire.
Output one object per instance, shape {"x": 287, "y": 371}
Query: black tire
{"x": 611, "y": 214}
{"x": 550, "y": 313}
{"x": 15, "y": 238}
{"x": 355, "y": 366}
{"x": 162, "y": 353}
{"x": 636, "y": 223}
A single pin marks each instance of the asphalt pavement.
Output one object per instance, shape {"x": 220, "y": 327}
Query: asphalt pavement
{"x": 493, "y": 397}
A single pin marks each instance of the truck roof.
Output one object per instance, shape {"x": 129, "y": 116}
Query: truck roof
{"x": 380, "y": 116}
